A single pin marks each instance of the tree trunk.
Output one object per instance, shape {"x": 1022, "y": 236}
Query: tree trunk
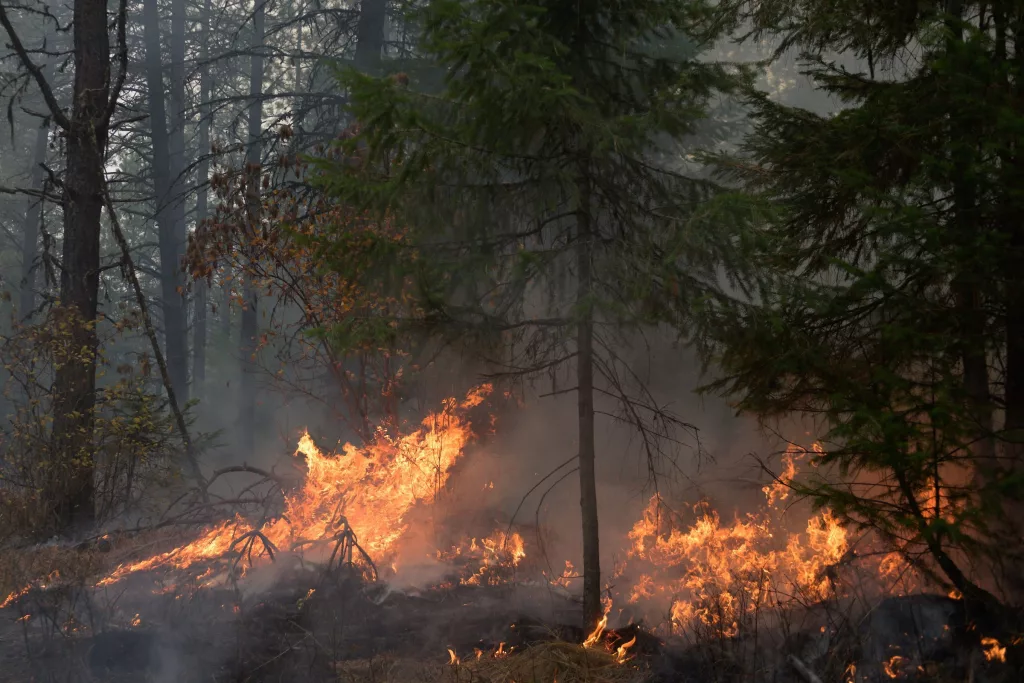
{"x": 177, "y": 362}
{"x": 82, "y": 201}
{"x": 30, "y": 228}
{"x": 169, "y": 208}
{"x": 1013, "y": 395}
{"x": 202, "y": 206}
{"x": 592, "y": 609}
{"x": 370, "y": 34}
{"x": 249, "y": 326}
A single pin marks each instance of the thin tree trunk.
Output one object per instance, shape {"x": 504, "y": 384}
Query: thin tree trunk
{"x": 202, "y": 207}
{"x": 177, "y": 363}
{"x": 30, "y": 228}
{"x": 592, "y": 609}
{"x": 169, "y": 208}
{"x": 82, "y": 202}
{"x": 249, "y": 326}
{"x": 225, "y": 318}
{"x": 969, "y": 307}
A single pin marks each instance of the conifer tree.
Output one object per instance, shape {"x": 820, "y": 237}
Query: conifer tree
{"x": 893, "y": 271}
{"x": 547, "y": 207}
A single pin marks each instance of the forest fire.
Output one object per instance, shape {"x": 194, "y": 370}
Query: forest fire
{"x": 691, "y": 574}
{"x": 717, "y": 575}
{"x": 353, "y": 507}
{"x": 357, "y": 500}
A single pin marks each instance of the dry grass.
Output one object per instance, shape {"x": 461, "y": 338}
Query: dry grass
{"x": 21, "y": 566}
{"x": 550, "y": 662}
{"x": 556, "y": 662}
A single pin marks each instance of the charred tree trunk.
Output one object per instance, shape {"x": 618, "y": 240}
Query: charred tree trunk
{"x": 169, "y": 216}
{"x": 202, "y": 207}
{"x": 82, "y": 202}
{"x": 592, "y": 610}
{"x": 30, "y": 228}
{"x": 250, "y": 326}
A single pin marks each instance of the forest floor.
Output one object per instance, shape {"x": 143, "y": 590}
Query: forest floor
{"x": 291, "y": 620}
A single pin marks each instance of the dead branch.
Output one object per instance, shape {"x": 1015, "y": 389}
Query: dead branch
{"x": 266, "y": 474}
{"x": 249, "y": 540}
{"x": 44, "y": 87}
{"x": 147, "y": 321}
{"x": 801, "y": 668}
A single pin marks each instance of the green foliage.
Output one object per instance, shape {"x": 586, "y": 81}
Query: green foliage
{"x": 135, "y": 436}
{"x": 890, "y": 290}
{"x": 540, "y": 101}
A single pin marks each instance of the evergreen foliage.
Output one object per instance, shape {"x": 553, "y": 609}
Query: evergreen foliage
{"x": 548, "y": 204}
{"x": 890, "y": 299}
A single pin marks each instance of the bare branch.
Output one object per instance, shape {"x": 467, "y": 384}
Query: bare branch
{"x": 122, "y": 61}
{"x": 37, "y": 74}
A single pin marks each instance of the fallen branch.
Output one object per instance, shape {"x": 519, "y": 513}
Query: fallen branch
{"x": 250, "y": 540}
{"x": 802, "y": 669}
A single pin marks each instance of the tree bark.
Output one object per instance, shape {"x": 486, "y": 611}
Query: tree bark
{"x": 177, "y": 362}
{"x": 202, "y": 206}
{"x": 592, "y": 609}
{"x": 169, "y": 212}
{"x": 82, "y": 203}
{"x": 250, "y": 326}
{"x": 30, "y": 228}
{"x": 370, "y": 34}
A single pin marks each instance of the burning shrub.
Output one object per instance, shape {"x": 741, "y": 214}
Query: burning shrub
{"x": 351, "y": 507}
{"x": 717, "y": 577}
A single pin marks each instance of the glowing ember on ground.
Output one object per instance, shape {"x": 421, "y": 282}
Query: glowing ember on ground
{"x": 994, "y": 652}
{"x": 893, "y": 666}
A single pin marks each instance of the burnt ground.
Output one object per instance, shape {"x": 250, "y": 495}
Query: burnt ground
{"x": 272, "y": 628}
{"x": 225, "y": 634}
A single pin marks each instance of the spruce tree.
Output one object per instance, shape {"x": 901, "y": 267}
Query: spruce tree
{"x": 547, "y": 207}
{"x": 892, "y": 274}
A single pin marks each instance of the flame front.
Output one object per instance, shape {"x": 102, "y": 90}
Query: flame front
{"x": 714, "y": 574}
{"x": 369, "y": 490}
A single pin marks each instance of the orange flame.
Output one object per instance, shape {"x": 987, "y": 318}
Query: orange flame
{"x": 993, "y": 651}
{"x": 620, "y": 652}
{"x": 893, "y": 666}
{"x": 714, "y": 574}
{"x": 595, "y": 636}
{"x": 369, "y": 490}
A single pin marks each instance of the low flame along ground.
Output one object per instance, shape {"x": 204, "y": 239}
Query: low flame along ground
{"x": 708, "y": 573}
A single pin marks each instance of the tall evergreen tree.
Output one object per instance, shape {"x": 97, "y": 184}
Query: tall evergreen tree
{"x": 546, "y": 205}
{"x": 894, "y": 267}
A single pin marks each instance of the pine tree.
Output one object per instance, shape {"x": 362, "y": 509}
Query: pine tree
{"x": 548, "y": 207}
{"x": 893, "y": 271}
